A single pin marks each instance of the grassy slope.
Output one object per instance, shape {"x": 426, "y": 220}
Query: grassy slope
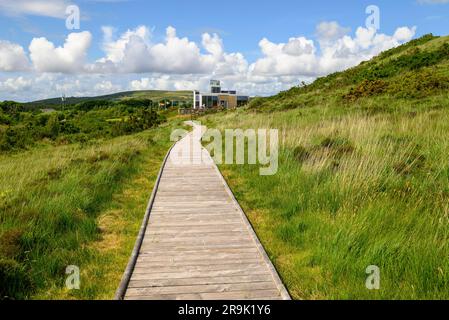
{"x": 74, "y": 205}
{"x": 361, "y": 182}
{"x": 155, "y": 95}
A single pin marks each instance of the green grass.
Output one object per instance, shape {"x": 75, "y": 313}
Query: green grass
{"x": 74, "y": 205}
{"x": 352, "y": 190}
{"x": 361, "y": 182}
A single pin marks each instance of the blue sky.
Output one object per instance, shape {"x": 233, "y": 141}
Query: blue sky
{"x": 294, "y": 49}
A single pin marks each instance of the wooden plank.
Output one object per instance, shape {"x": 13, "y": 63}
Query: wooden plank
{"x": 211, "y": 288}
{"x": 188, "y": 257}
{"x": 175, "y": 223}
{"x": 197, "y": 229}
{"x": 176, "y": 236}
{"x": 179, "y": 213}
{"x": 183, "y": 263}
{"x": 194, "y": 213}
{"x": 237, "y": 295}
{"x": 192, "y": 239}
{"x": 169, "y": 224}
{"x": 142, "y": 268}
{"x": 198, "y": 281}
{"x": 199, "y": 214}
{"x": 181, "y": 274}
{"x": 197, "y": 245}
{"x": 190, "y": 250}
{"x": 161, "y": 247}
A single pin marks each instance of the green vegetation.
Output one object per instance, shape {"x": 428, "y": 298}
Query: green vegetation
{"x": 363, "y": 180}
{"x": 74, "y": 186}
{"x": 183, "y": 98}
{"x": 21, "y": 128}
{"x": 363, "y": 177}
{"x": 78, "y": 204}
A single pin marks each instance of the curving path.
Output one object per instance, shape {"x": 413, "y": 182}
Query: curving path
{"x": 197, "y": 242}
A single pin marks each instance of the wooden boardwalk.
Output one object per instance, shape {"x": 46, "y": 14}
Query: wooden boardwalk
{"x": 198, "y": 243}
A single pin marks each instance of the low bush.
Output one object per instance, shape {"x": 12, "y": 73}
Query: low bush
{"x": 367, "y": 88}
{"x": 20, "y": 129}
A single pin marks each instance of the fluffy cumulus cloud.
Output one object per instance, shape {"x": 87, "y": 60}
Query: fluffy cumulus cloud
{"x": 12, "y": 57}
{"x": 16, "y": 84}
{"x": 138, "y": 62}
{"x": 26, "y": 86}
{"x": 330, "y": 30}
{"x": 68, "y": 58}
{"x": 297, "y": 56}
{"x": 178, "y": 63}
{"x": 337, "y": 51}
{"x": 164, "y": 82}
{"x": 347, "y": 51}
{"x": 133, "y": 52}
{"x": 106, "y": 87}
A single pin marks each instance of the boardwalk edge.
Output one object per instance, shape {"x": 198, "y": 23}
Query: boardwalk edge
{"x": 121, "y": 291}
{"x": 277, "y": 279}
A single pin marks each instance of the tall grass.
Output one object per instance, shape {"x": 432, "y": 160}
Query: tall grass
{"x": 74, "y": 205}
{"x": 355, "y": 188}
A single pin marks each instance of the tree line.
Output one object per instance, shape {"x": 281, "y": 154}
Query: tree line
{"x": 22, "y": 126}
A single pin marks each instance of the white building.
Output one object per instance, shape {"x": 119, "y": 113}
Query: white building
{"x": 218, "y": 98}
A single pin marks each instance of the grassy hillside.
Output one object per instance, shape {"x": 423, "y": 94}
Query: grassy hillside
{"x": 363, "y": 177}
{"x": 21, "y": 128}
{"x": 154, "y": 95}
{"x": 78, "y": 204}
{"x": 74, "y": 184}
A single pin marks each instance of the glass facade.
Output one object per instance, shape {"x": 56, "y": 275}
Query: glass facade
{"x": 219, "y": 98}
{"x": 215, "y": 86}
{"x": 210, "y": 101}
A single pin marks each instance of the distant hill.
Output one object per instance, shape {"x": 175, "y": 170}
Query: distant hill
{"x": 155, "y": 95}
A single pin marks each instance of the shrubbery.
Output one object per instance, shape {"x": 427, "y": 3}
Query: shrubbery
{"x": 419, "y": 84}
{"x": 366, "y": 89}
{"x": 414, "y": 84}
{"x": 256, "y": 103}
{"x": 20, "y": 128}
{"x": 414, "y": 60}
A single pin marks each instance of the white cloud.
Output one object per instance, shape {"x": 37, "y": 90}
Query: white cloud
{"x": 295, "y": 57}
{"x": 15, "y": 84}
{"x": 299, "y": 55}
{"x": 330, "y": 31}
{"x": 47, "y": 8}
{"x": 133, "y": 52}
{"x": 177, "y": 63}
{"x": 404, "y": 34}
{"x": 115, "y": 50}
{"x": 165, "y": 82}
{"x": 367, "y": 43}
{"x": 31, "y": 87}
{"x": 106, "y": 87}
{"x": 68, "y": 58}
{"x": 12, "y": 57}
{"x": 213, "y": 44}
{"x": 142, "y": 84}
